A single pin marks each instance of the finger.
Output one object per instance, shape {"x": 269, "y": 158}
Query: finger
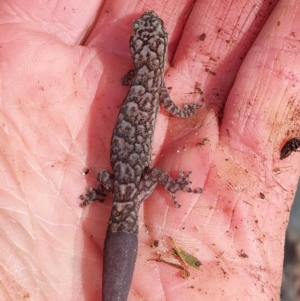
{"x": 204, "y": 66}
{"x": 212, "y": 46}
{"x": 262, "y": 111}
{"x": 255, "y": 188}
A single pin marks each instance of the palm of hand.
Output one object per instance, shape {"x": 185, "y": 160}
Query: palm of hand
{"x": 59, "y": 104}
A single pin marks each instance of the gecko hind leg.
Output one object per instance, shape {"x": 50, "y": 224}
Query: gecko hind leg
{"x": 157, "y": 175}
{"x": 105, "y": 180}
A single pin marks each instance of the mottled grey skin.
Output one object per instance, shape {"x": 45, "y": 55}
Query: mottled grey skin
{"x": 133, "y": 179}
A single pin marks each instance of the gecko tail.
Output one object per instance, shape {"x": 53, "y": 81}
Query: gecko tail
{"x": 120, "y": 251}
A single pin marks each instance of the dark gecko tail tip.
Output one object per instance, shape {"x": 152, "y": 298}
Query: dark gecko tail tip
{"x": 120, "y": 250}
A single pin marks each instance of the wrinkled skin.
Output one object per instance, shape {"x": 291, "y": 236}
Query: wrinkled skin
{"x": 61, "y": 67}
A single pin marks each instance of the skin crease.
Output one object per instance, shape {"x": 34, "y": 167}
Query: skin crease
{"x": 59, "y": 102}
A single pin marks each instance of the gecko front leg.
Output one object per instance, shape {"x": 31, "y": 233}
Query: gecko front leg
{"x": 188, "y": 110}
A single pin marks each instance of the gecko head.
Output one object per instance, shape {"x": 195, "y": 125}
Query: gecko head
{"x": 148, "y": 42}
{"x": 149, "y": 25}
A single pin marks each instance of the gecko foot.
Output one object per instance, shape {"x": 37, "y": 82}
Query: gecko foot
{"x": 92, "y": 195}
{"x": 182, "y": 183}
{"x": 105, "y": 180}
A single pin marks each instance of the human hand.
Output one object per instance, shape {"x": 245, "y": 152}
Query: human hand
{"x": 59, "y": 103}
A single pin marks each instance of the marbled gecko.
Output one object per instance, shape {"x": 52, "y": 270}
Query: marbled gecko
{"x": 133, "y": 179}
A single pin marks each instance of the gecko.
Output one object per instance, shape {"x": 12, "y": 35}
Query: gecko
{"x": 133, "y": 179}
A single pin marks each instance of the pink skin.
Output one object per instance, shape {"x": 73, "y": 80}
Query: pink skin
{"x": 59, "y": 102}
